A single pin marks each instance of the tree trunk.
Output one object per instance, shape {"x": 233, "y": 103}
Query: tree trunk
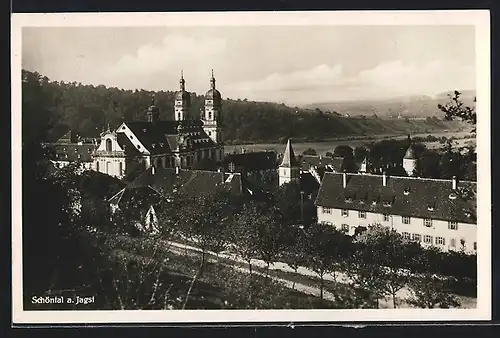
{"x": 293, "y": 282}
{"x": 321, "y": 287}
{"x": 394, "y": 299}
{"x": 377, "y": 302}
{"x": 267, "y": 271}
{"x": 202, "y": 265}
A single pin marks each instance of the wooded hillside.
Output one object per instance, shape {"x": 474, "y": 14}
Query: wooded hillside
{"x": 87, "y": 110}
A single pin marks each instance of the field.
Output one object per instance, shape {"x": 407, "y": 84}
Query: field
{"x": 323, "y": 147}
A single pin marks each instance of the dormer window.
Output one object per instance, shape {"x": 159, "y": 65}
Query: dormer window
{"x": 452, "y": 196}
{"x": 153, "y": 145}
{"x": 161, "y": 144}
{"x": 430, "y": 208}
{"x": 348, "y": 199}
{"x": 406, "y": 192}
{"x": 144, "y": 130}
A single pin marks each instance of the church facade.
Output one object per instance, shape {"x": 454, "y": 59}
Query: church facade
{"x": 183, "y": 142}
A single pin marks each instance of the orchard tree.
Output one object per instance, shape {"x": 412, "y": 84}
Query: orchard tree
{"x": 296, "y": 249}
{"x": 205, "y": 219}
{"x": 387, "y": 256}
{"x": 325, "y": 249}
{"x": 428, "y": 287}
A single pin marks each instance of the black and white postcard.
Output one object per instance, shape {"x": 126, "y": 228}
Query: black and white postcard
{"x": 251, "y": 167}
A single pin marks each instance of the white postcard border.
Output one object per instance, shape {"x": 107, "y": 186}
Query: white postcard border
{"x": 479, "y": 18}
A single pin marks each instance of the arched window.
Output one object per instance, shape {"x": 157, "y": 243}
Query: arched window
{"x": 209, "y": 115}
{"x": 109, "y": 145}
{"x": 97, "y": 165}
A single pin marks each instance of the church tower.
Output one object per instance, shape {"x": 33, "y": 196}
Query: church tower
{"x": 410, "y": 160}
{"x": 153, "y": 113}
{"x": 212, "y": 121}
{"x": 182, "y": 101}
{"x": 289, "y": 169}
{"x": 363, "y": 168}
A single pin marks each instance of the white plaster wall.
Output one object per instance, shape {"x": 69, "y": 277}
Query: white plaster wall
{"x": 287, "y": 175}
{"x": 439, "y": 228}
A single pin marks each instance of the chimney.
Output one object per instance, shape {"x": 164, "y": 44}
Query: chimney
{"x": 454, "y": 183}
{"x": 344, "y": 179}
{"x": 384, "y": 179}
{"x": 177, "y": 170}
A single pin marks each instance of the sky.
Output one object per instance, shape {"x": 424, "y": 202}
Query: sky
{"x": 290, "y": 64}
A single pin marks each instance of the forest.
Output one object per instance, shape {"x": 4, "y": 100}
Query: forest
{"x": 87, "y": 110}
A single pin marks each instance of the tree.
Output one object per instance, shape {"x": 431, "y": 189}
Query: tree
{"x": 387, "y": 256}
{"x": 205, "y": 219}
{"x": 309, "y": 151}
{"x": 429, "y": 288}
{"x": 343, "y": 151}
{"x": 360, "y": 153}
{"x": 455, "y": 108}
{"x": 272, "y": 237}
{"x": 295, "y": 252}
{"x": 325, "y": 247}
{"x": 245, "y": 234}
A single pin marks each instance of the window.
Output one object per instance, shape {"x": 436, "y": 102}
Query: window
{"x": 439, "y": 240}
{"x": 416, "y": 237}
{"x": 428, "y": 239}
{"x": 97, "y": 165}
{"x": 327, "y": 210}
{"x": 361, "y": 214}
{"x": 386, "y": 218}
{"x": 406, "y": 220}
{"x": 345, "y": 227}
{"x": 453, "y": 225}
{"x": 344, "y": 212}
{"x": 453, "y": 242}
{"x": 475, "y": 246}
{"x": 428, "y": 222}
{"x": 209, "y": 115}
{"x": 462, "y": 242}
{"x": 406, "y": 235}
{"x": 209, "y": 133}
{"x": 121, "y": 168}
{"x": 109, "y": 145}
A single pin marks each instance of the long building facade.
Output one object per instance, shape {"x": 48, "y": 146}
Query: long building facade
{"x": 430, "y": 211}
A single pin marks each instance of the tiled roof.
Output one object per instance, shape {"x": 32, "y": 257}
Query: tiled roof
{"x": 72, "y": 152}
{"x": 135, "y": 202}
{"x": 308, "y": 161}
{"x": 289, "y": 159}
{"x": 188, "y": 182}
{"x": 413, "y": 197}
{"x": 252, "y": 161}
{"x": 159, "y": 137}
{"x": 127, "y": 145}
{"x": 308, "y": 183}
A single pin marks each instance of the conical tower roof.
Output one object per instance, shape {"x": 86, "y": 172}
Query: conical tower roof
{"x": 289, "y": 159}
{"x": 410, "y": 154}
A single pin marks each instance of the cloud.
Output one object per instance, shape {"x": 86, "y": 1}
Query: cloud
{"x": 175, "y": 51}
{"x": 330, "y": 83}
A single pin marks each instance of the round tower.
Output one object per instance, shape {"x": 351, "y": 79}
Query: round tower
{"x": 182, "y": 101}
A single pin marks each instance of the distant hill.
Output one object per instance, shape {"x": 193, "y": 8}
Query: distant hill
{"x": 87, "y": 110}
{"x": 406, "y": 106}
